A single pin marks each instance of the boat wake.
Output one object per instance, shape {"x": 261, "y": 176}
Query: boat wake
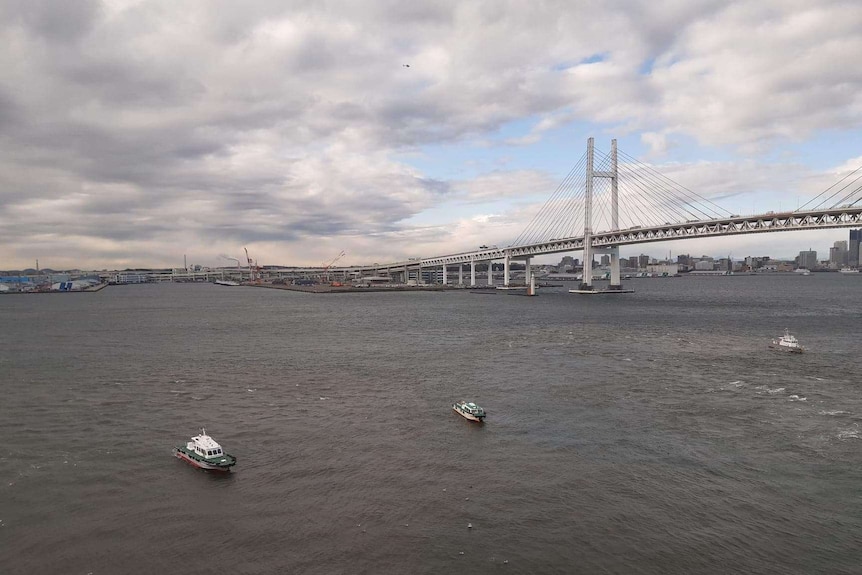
{"x": 850, "y": 433}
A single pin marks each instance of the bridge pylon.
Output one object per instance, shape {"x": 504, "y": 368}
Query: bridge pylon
{"x": 614, "y": 251}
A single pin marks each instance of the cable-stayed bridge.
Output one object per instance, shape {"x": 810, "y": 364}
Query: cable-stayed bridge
{"x": 604, "y": 203}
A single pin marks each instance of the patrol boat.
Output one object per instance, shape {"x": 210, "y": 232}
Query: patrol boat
{"x": 787, "y": 342}
{"x": 469, "y": 410}
{"x": 202, "y": 451}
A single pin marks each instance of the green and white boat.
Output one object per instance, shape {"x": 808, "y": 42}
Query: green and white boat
{"x": 469, "y": 410}
{"x": 203, "y": 452}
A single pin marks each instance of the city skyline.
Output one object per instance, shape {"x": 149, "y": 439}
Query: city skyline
{"x": 853, "y": 243}
{"x": 139, "y": 133}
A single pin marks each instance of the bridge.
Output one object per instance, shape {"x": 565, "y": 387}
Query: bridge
{"x": 658, "y": 208}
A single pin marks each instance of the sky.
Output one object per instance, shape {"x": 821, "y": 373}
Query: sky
{"x": 149, "y": 133}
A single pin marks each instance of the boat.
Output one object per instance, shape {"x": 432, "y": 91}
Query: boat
{"x": 226, "y": 283}
{"x": 848, "y": 270}
{"x": 469, "y": 410}
{"x": 787, "y": 342}
{"x": 803, "y": 271}
{"x": 203, "y": 452}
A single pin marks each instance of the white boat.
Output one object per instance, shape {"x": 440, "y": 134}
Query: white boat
{"x": 787, "y": 342}
{"x": 803, "y": 271}
{"x": 203, "y": 452}
{"x": 226, "y": 283}
{"x": 848, "y": 270}
{"x": 469, "y": 410}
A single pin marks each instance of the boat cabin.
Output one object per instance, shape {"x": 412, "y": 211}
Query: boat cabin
{"x": 472, "y": 408}
{"x": 205, "y": 446}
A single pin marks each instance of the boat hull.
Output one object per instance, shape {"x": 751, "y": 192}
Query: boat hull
{"x": 469, "y": 416}
{"x": 182, "y": 453}
{"x": 785, "y": 348}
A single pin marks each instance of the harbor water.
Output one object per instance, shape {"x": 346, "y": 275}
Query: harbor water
{"x": 653, "y": 432}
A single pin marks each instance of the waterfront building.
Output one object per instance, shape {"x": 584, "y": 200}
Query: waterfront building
{"x": 854, "y": 257}
{"x": 643, "y": 261}
{"x": 838, "y": 255}
{"x": 663, "y": 269}
{"x": 807, "y": 260}
{"x": 566, "y": 264}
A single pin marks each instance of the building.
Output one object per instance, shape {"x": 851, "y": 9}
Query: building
{"x": 606, "y": 260}
{"x": 838, "y": 255}
{"x": 755, "y": 263}
{"x": 854, "y": 257}
{"x": 663, "y": 269}
{"x": 704, "y": 265}
{"x": 643, "y": 261}
{"x": 807, "y": 260}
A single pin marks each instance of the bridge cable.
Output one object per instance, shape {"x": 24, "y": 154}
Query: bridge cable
{"x": 548, "y": 212}
{"x": 647, "y": 199}
{"x": 845, "y": 199}
{"x": 670, "y": 198}
{"x": 544, "y": 211}
{"x": 693, "y": 200}
{"x": 552, "y": 210}
{"x": 839, "y": 202}
{"x": 719, "y": 211}
{"x": 799, "y": 209}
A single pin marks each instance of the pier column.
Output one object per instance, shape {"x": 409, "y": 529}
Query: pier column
{"x": 444, "y": 274}
{"x": 528, "y": 278}
{"x": 615, "y": 268}
{"x": 587, "y": 280}
{"x": 460, "y": 274}
{"x": 615, "y": 219}
{"x": 490, "y": 272}
{"x": 506, "y": 271}
{"x": 472, "y": 272}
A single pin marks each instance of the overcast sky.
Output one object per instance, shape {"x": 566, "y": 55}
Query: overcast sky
{"x": 133, "y": 133}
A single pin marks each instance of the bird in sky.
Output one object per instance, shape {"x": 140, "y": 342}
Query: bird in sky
{"x": 406, "y": 65}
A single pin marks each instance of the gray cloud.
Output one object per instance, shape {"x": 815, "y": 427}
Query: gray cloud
{"x": 134, "y": 129}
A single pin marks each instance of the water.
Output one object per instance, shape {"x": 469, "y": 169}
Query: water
{"x": 644, "y": 433}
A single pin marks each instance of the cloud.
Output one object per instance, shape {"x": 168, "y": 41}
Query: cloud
{"x": 132, "y": 131}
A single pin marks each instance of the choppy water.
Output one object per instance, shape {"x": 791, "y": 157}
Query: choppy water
{"x": 645, "y": 433}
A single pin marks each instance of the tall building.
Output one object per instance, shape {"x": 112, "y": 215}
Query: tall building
{"x": 606, "y": 260}
{"x": 643, "y": 261}
{"x": 838, "y": 255}
{"x": 854, "y": 258}
{"x": 807, "y": 260}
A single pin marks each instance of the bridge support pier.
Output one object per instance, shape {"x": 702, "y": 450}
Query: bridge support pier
{"x": 460, "y": 274}
{"x": 490, "y": 272}
{"x": 529, "y": 279}
{"x": 615, "y": 269}
{"x": 472, "y": 272}
{"x": 506, "y": 271}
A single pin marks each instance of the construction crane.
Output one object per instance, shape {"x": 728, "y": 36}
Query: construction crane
{"x": 251, "y": 270}
{"x": 327, "y": 265}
